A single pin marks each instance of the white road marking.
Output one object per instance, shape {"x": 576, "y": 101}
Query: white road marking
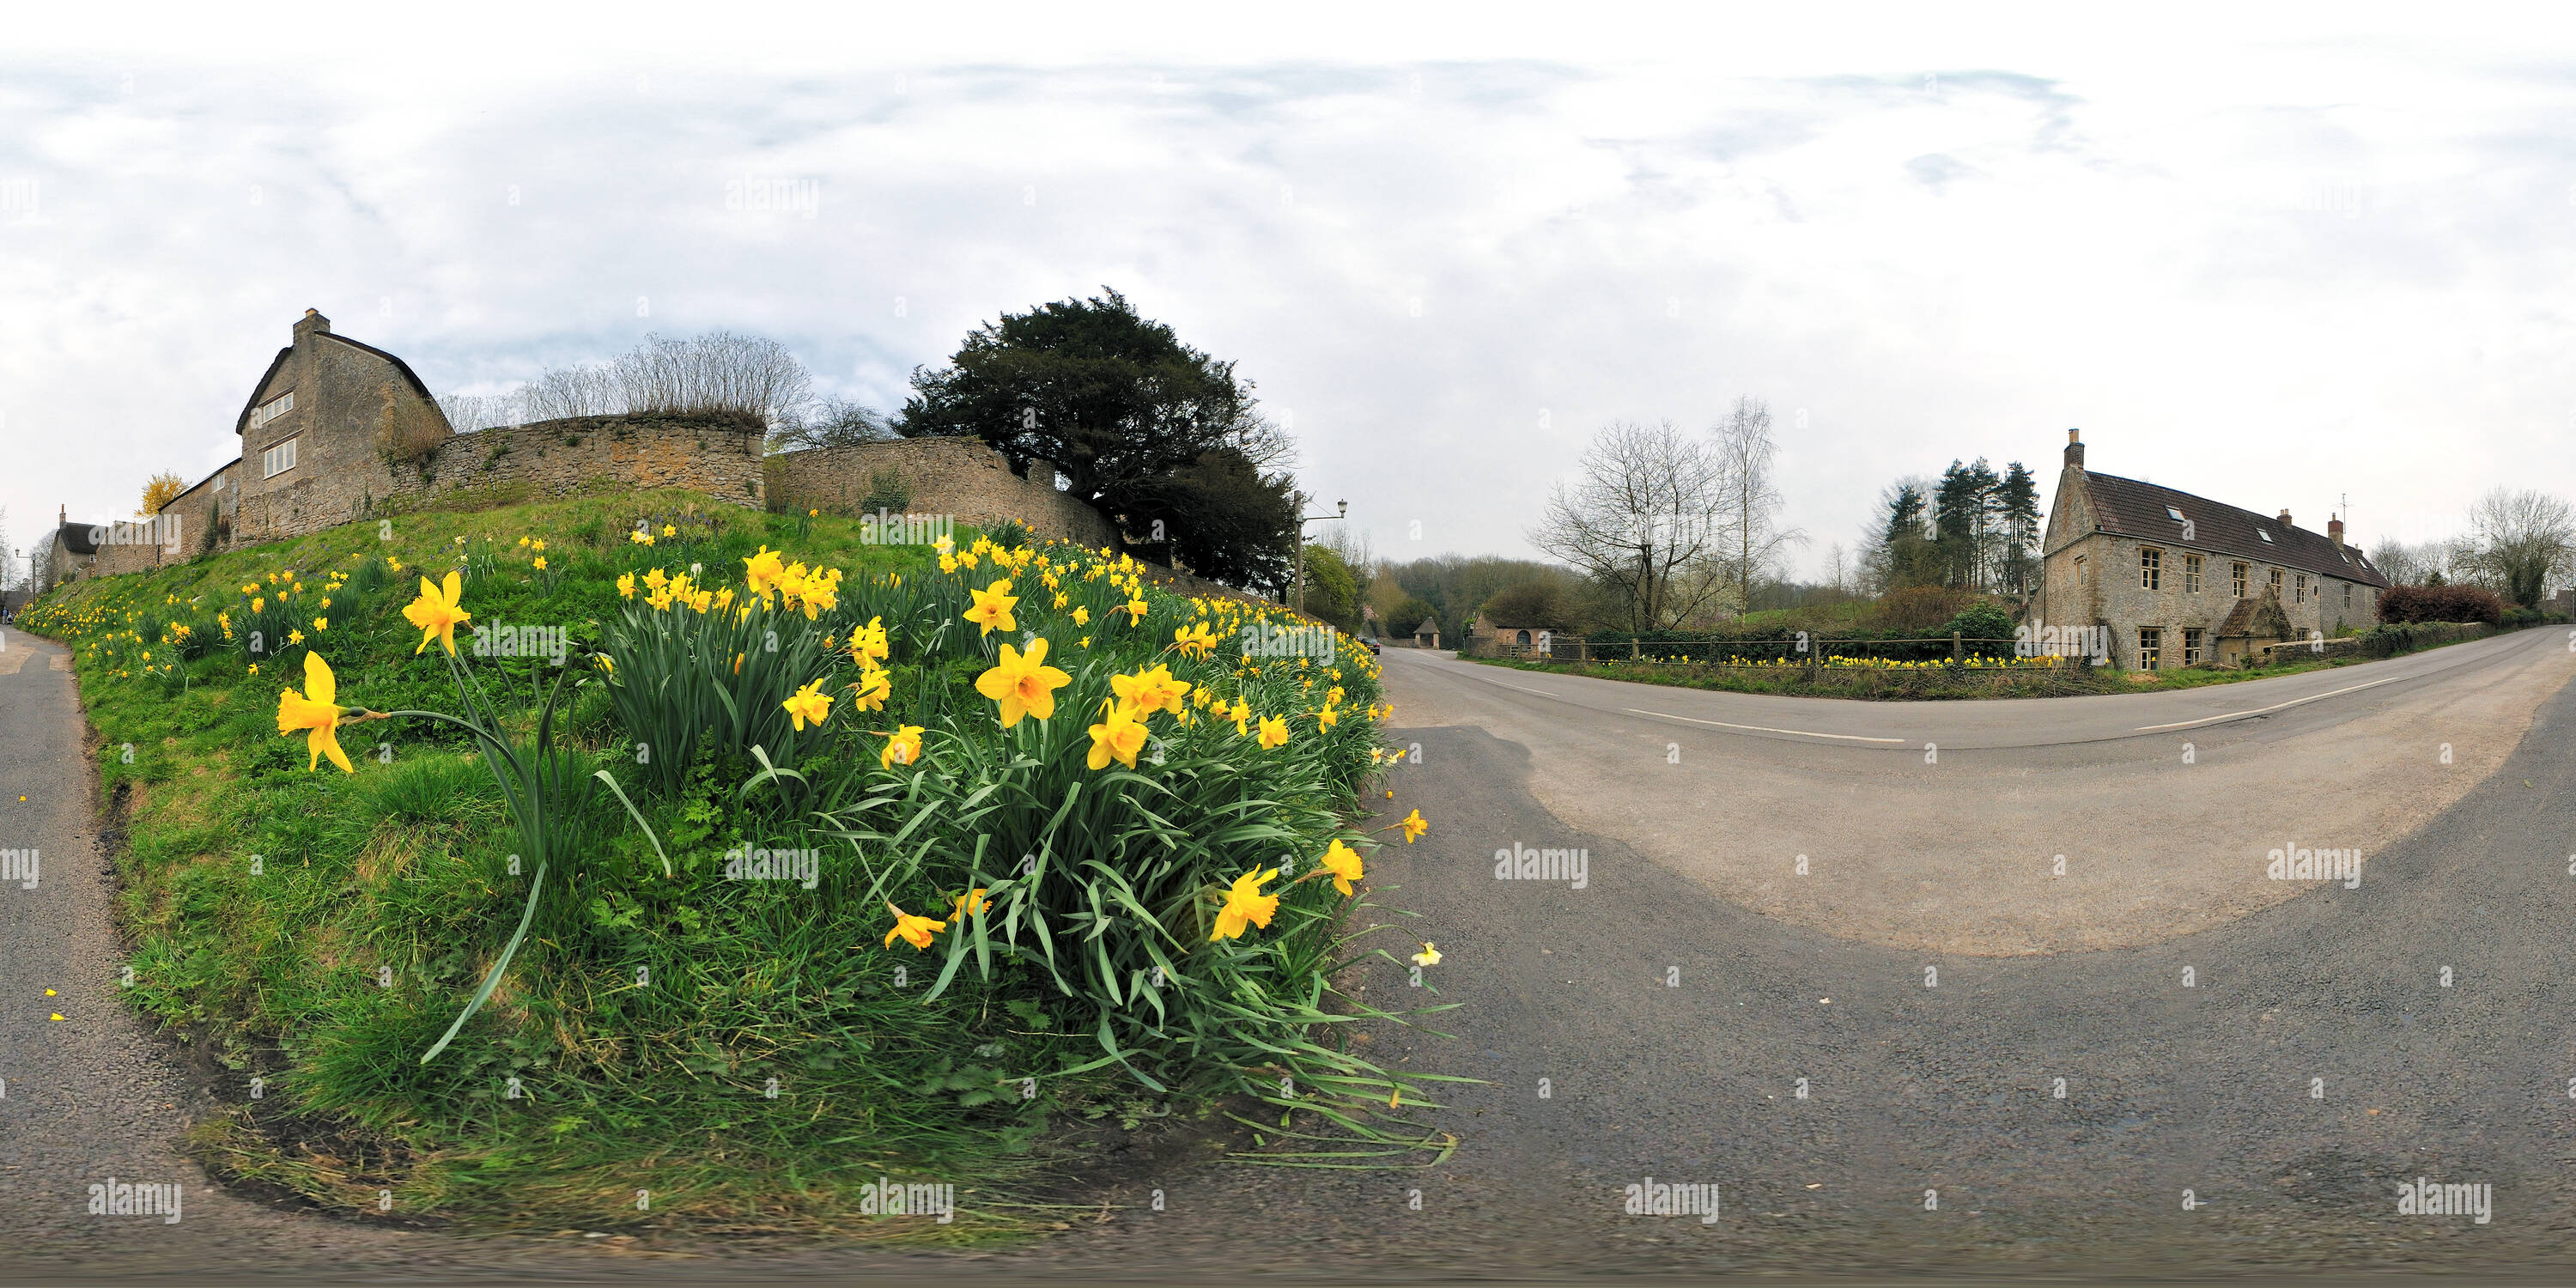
{"x": 2238, "y": 715}
{"x": 1804, "y": 733}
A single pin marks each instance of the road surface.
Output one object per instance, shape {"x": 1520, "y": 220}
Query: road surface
{"x": 2003, "y": 1069}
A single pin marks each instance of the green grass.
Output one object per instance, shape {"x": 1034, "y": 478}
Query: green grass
{"x": 321, "y": 931}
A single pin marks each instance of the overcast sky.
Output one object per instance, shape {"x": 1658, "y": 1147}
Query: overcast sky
{"x": 2272, "y": 260}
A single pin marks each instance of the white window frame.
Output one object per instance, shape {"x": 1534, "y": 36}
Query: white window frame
{"x": 279, "y": 458}
{"x": 272, "y": 409}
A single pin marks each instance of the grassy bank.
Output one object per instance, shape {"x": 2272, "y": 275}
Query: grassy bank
{"x": 801, "y": 911}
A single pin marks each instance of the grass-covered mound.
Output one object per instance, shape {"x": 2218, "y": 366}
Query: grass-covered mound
{"x": 811, "y": 912}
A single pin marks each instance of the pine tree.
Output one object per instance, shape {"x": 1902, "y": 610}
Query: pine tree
{"x": 2017, "y": 499}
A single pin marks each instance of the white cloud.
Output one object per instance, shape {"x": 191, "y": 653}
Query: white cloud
{"x": 2274, "y": 271}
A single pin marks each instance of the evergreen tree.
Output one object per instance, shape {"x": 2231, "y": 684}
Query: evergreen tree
{"x": 2018, "y": 502}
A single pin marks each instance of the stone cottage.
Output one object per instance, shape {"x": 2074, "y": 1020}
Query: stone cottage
{"x": 313, "y": 435}
{"x": 2181, "y": 580}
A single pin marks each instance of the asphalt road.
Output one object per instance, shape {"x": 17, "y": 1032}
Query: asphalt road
{"x": 2323, "y": 1047}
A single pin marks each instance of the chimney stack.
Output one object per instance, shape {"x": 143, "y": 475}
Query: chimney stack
{"x": 2285, "y": 518}
{"x": 312, "y": 321}
{"x": 2334, "y": 531}
{"x": 2074, "y": 450}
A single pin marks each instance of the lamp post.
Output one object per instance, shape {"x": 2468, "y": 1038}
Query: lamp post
{"x": 1343, "y": 511}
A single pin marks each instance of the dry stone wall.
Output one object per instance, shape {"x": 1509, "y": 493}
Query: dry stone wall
{"x": 959, "y": 477}
{"x": 551, "y": 458}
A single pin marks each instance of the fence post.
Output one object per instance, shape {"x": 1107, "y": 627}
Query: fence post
{"x": 1954, "y": 646}
{"x": 1633, "y": 655}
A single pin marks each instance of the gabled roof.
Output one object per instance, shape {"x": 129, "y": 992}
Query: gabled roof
{"x": 2256, "y": 615}
{"x": 76, "y": 539}
{"x": 241, "y": 423}
{"x": 2131, "y": 508}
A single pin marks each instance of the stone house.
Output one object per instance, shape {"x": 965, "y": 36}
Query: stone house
{"x": 314, "y": 452}
{"x": 2180, "y": 580}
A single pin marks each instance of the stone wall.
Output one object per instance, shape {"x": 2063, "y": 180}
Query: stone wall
{"x": 512, "y": 464}
{"x": 959, "y": 477}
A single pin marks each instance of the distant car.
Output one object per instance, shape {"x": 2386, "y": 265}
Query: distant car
{"x": 1373, "y": 647}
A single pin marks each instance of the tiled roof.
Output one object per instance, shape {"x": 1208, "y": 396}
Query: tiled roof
{"x": 2130, "y": 508}
{"x": 241, "y": 423}
{"x": 2241, "y": 619}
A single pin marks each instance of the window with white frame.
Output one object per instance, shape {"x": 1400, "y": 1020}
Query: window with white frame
{"x": 272, "y": 409}
{"x": 277, "y": 460}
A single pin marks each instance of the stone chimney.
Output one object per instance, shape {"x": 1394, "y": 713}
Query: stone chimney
{"x": 2074, "y": 449}
{"x": 2334, "y": 531}
{"x": 2285, "y": 519}
{"x": 312, "y": 321}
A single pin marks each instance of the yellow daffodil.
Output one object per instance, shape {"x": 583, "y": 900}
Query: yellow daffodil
{"x": 438, "y": 613}
{"x": 903, "y": 747}
{"x": 1344, "y": 863}
{"x": 541, "y": 563}
{"x": 1429, "y": 956}
{"x": 971, "y": 904}
{"x": 1413, "y": 826}
{"x": 872, "y": 690}
{"x": 1244, "y": 903}
{"x": 1239, "y": 715}
{"x": 669, "y": 531}
{"x": 762, "y": 571}
{"x": 1274, "y": 732}
{"x": 295, "y": 637}
{"x": 1121, "y": 736}
{"x": 1136, "y": 611}
{"x": 913, "y": 930}
{"x": 1326, "y": 719}
{"x": 1194, "y": 640}
{"x": 992, "y": 608}
{"x": 868, "y": 644}
{"x": 312, "y": 711}
{"x": 1023, "y": 684}
{"x": 1150, "y": 691}
{"x": 258, "y": 603}
{"x": 806, "y": 706}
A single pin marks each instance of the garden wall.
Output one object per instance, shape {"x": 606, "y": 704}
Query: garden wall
{"x": 550, "y": 458}
{"x": 960, "y": 477}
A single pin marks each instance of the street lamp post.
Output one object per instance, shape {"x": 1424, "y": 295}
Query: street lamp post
{"x": 1343, "y": 511}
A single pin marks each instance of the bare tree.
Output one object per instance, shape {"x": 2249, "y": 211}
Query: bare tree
{"x": 2405, "y": 565}
{"x": 2519, "y": 542}
{"x": 469, "y": 412}
{"x": 1837, "y": 569}
{"x": 717, "y": 374}
{"x": 833, "y": 422}
{"x": 561, "y": 392}
{"x": 1747, "y": 498}
{"x": 1648, "y": 507}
